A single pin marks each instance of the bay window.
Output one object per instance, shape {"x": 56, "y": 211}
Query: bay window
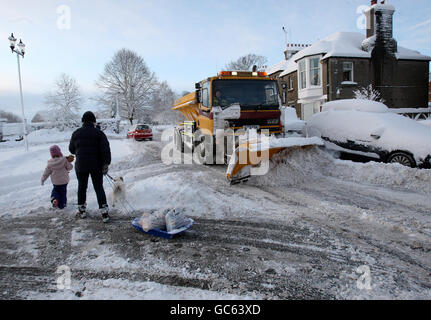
{"x": 310, "y": 73}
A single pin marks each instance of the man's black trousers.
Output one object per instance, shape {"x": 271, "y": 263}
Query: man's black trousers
{"x": 97, "y": 179}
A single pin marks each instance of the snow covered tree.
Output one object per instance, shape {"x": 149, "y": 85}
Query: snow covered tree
{"x": 246, "y": 63}
{"x": 368, "y": 93}
{"x": 162, "y": 101}
{"x": 64, "y": 102}
{"x": 128, "y": 80}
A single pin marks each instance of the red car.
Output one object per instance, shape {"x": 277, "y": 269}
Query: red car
{"x": 140, "y": 132}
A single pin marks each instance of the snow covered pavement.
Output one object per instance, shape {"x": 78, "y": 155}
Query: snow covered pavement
{"x": 313, "y": 228}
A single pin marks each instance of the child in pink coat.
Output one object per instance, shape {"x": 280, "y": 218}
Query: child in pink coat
{"x": 58, "y": 168}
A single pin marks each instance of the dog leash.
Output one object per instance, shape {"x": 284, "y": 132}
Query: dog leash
{"x": 111, "y": 183}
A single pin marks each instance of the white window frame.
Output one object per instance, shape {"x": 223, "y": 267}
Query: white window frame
{"x": 319, "y": 71}
{"x": 352, "y": 70}
{"x": 302, "y": 74}
{"x": 291, "y": 83}
{"x": 306, "y": 62}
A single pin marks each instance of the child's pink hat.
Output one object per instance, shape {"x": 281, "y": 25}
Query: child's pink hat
{"x": 55, "y": 151}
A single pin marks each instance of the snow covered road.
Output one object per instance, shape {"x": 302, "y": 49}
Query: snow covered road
{"x": 313, "y": 228}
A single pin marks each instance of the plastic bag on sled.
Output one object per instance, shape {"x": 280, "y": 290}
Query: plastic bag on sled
{"x": 152, "y": 220}
{"x": 175, "y": 220}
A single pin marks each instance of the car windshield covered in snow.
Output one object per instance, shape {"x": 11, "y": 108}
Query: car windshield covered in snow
{"x": 261, "y": 94}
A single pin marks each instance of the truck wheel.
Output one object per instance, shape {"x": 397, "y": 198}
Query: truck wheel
{"x": 402, "y": 158}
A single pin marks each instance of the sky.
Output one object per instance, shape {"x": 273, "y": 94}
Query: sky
{"x": 182, "y": 41}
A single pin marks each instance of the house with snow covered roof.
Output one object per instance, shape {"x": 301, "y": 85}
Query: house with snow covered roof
{"x": 333, "y": 68}
{"x": 429, "y": 91}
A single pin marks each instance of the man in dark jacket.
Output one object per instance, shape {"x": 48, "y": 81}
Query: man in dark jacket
{"x": 93, "y": 157}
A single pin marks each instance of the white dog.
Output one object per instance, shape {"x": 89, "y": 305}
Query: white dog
{"x": 119, "y": 191}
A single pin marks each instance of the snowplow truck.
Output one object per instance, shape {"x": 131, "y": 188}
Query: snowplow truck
{"x": 222, "y": 111}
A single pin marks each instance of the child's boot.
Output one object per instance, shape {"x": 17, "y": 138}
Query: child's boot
{"x": 54, "y": 202}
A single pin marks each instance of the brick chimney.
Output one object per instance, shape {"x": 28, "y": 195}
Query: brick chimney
{"x": 294, "y": 48}
{"x": 380, "y": 28}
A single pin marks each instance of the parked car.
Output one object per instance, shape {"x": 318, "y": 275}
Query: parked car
{"x": 368, "y": 128}
{"x": 291, "y": 122}
{"x": 140, "y": 132}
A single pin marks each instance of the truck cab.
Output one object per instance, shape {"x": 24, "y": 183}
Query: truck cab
{"x": 231, "y": 102}
{"x": 254, "y": 93}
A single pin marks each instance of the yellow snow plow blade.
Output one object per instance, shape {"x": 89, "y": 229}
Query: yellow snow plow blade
{"x": 188, "y": 106}
{"x": 253, "y": 153}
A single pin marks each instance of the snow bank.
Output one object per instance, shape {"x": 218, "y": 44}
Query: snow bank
{"x": 355, "y": 104}
{"x": 302, "y": 167}
{"x": 184, "y": 189}
{"x": 20, "y": 173}
{"x": 49, "y": 135}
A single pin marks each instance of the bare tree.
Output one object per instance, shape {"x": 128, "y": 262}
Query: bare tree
{"x": 246, "y": 63}
{"x": 10, "y": 117}
{"x": 162, "y": 101}
{"x": 64, "y": 101}
{"x": 128, "y": 80}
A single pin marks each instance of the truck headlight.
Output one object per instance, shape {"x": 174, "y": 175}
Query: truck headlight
{"x": 272, "y": 121}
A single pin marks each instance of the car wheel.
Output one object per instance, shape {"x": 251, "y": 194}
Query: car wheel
{"x": 402, "y": 158}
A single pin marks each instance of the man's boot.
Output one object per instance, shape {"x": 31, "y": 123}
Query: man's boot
{"x": 82, "y": 211}
{"x": 105, "y": 213}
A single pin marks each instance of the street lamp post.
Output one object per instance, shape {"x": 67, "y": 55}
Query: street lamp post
{"x": 20, "y": 51}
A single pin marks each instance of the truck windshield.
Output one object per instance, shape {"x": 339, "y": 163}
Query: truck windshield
{"x": 248, "y": 93}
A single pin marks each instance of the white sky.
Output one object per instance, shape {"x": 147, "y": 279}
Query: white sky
{"x": 182, "y": 41}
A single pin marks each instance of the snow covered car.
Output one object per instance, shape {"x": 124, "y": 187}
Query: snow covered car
{"x": 140, "y": 132}
{"x": 367, "y": 128}
{"x": 291, "y": 122}
{"x": 425, "y": 122}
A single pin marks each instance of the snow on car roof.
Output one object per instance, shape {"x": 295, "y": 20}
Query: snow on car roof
{"x": 355, "y": 104}
{"x": 396, "y": 132}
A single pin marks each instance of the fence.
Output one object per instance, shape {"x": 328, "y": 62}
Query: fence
{"x": 414, "y": 113}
